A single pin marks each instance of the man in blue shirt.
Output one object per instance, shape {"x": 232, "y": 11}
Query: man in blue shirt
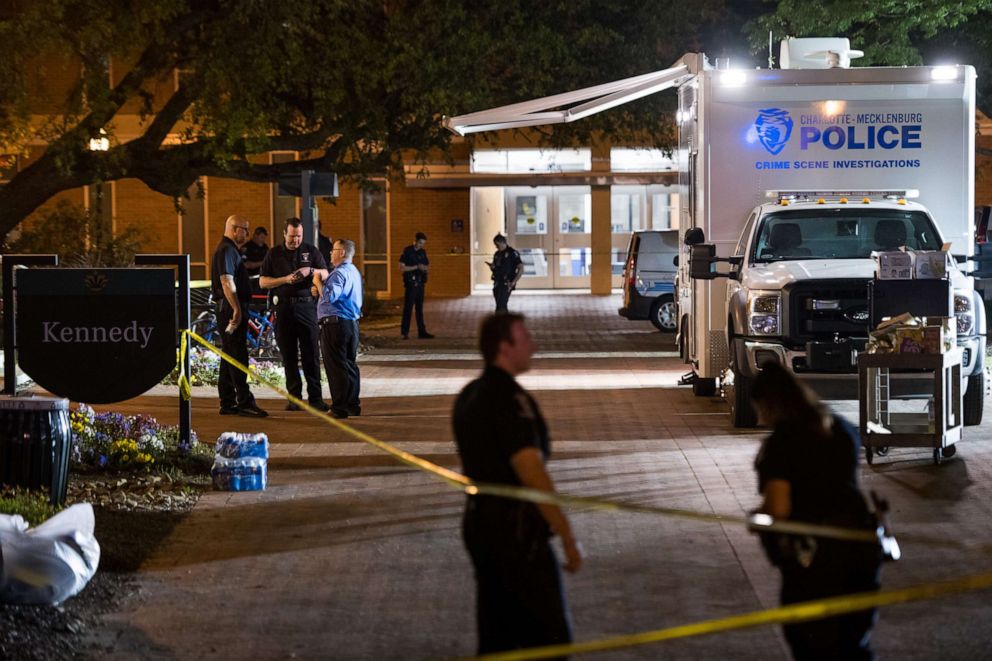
{"x": 338, "y": 310}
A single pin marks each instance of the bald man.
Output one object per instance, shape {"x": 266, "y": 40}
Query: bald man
{"x": 232, "y": 293}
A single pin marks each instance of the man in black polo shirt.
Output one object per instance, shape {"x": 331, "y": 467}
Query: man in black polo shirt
{"x": 232, "y": 292}
{"x": 414, "y": 266}
{"x": 502, "y": 438}
{"x": 288, "y": 269}
{"x": 255, "y": 250}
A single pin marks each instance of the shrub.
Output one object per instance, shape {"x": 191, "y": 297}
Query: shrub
{"x": 32, "y": 505}
{"x": 204, "y": 369}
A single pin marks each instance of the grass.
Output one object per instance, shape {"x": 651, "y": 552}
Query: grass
{"x": 31, "y": 505}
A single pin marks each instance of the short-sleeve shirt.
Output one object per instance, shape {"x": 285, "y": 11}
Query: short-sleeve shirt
{"x": 255, "y": 253}
{"x": 505, "y": 264}
{"x": 227, "y": 260}
{"x": 412, "y": 257}
{"x": 493, "y": 419}
{"x": 821, "y": 472}
{"x": 280, "y": 262}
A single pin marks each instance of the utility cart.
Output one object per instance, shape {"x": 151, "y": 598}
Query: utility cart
{"x": 939, "y": 427}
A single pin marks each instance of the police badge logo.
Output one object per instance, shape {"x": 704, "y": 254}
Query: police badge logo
{"x": 774, "y": 126}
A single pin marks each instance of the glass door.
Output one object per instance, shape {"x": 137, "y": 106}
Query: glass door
{"x": 573, "y": 243}
{"x": 529, "y": 230}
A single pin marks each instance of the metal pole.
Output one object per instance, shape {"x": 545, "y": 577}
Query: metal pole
{"x": 10, "y": 311}
{"x": 308, "y": 208}
{"x": 181, "y": 262}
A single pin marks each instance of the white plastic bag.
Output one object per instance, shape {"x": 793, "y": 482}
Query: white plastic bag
{"x": 49, "y": 563}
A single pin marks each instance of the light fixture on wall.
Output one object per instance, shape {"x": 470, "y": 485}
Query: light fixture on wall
{"x": 100, "y": 144}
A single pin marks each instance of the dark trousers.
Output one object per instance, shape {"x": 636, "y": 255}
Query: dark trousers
{"x": 297, "y": 337}
{"x": 838, "y": 568}
{"x": 413, "y": 298}
{"x": 232, "y": 383}
{"x": 502, "y": 295}
{"x": 519, "y": 598}
{"x": 339, "y": 345}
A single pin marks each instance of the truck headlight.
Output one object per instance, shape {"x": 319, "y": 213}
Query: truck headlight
{"x": 764, "y": 314}
{"x": 964, "y": 313}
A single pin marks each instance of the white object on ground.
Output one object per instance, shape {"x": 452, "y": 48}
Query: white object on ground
{"x": 49, "y": 563}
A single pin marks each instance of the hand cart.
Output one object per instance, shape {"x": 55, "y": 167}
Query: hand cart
{"x": 881, "y": 427}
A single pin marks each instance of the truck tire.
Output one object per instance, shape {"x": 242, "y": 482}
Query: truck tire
{"x": 703, "y": 387}
{"x": 664, "y": 314}
{"x": 974, "y": 399}
{"x": 742, "y": 413}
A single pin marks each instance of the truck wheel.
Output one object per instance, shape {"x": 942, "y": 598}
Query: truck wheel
{"x": 683, "y": 342}
{"x": 703, "y": 387}
{"x": 974, "y": 399}
{"x": 663, "y": 314}
{"x": 742, "y": 413}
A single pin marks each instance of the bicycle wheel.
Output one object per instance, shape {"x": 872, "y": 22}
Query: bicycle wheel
{"x": 205, "y": 325}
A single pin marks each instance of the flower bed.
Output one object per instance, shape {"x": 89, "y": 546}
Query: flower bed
{"x": 204, "y": 367}
{"x": 116, "y": 441}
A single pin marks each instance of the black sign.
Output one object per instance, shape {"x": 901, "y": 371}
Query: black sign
{"x": 96, "y": 335}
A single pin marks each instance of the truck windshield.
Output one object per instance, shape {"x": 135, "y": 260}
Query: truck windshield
{"x": 841, "y": 233}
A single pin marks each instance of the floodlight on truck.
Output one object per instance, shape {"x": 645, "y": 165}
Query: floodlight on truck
{"x": 733, "y": 78}
{"x": 944, "y": 74}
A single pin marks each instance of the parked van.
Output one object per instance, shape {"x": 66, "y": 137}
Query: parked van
{"x": 649, "y": 278}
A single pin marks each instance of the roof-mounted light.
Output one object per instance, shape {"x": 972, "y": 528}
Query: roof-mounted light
{"x": 733, "y": 78}
{"x": 944, "y": 74}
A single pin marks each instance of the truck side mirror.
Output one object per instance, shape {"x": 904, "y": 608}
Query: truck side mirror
{"x": 675, "y": 260}
{"x": 702, "y": 259}
{"x": 694, "y": 236}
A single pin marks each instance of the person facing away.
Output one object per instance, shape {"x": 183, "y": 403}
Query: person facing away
{"x": 807, "y": 471}
{"x": 414, "y": 266}
{"x": 287, "y": 272}
{"x": 338, "y": 311}
{"x": 502, "y": 438}
{"x": 507, "y": 268}
{"x": 232, "y": 293}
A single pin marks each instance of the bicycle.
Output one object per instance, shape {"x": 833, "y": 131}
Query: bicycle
{"x": 261, "y": 328}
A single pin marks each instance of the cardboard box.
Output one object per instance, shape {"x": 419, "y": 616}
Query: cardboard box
{"x": 931, "y": 264}
{"x": 894, "y": 265}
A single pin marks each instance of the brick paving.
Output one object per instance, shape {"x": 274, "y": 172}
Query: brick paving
{"x": 348, "y": 555}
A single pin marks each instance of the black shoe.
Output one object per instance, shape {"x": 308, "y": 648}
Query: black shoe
{"x": 320, "y": 406}
{"x": 405, "y": 336}
{"x": 292, "y": 407}
{"x": 426, "y": 336}
{"x": 339, "y": 415}
{"x": 354, "y": 413}
{"x": 252, "y": 411}
{"x": 229, "y": 410}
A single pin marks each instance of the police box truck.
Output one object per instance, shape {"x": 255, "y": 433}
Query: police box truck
{"x": 795, "y": 176}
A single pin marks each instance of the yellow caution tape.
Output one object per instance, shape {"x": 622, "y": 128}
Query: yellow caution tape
{"x": 809, "y": 610}
{"x": 471, "y": 488}
{"x": 185, "y": 389}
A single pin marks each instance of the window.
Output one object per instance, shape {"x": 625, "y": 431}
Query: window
{"x": 283, "y": 206}
{"x": 192, "y": 231}
{"x": 524, "y": 161}
{"x": 640, "y": 160}
{"x": 375, "y": 238}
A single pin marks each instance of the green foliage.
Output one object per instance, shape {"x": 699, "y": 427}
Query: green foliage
{"x": 32, "y": 505}
{"x": 890, "y": 32}
{"x": 79, "y": 237}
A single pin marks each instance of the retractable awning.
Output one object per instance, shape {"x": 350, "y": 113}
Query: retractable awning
{"x": 590, "y": 100}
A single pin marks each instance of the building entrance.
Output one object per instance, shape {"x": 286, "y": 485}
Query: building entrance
{"x": 550, "y": 226}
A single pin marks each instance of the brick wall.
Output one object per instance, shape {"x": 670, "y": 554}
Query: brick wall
{"x": 431, "y": 212}
{"x": 983, "y": 172}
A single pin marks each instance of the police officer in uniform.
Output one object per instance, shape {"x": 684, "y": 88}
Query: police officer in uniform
{"x": 414, "y": 266}
{"x": 287, "y": 270}
{"x": 502, "y": 438}
{"x": 232, "y": 292}
{"x": 507, "y": 267}
{"x": 338, "y": 312}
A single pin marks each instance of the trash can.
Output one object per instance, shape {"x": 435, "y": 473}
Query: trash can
{"x": 35, "y": 441}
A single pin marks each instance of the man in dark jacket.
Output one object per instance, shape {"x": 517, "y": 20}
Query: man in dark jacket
{"x": 414, "y": 265}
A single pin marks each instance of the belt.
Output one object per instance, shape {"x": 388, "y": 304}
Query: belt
{"x": 328, "y": 320}
{"x": 297, "y": 299}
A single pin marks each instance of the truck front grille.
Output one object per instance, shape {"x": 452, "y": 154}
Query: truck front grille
{"x": 823, "y": 310}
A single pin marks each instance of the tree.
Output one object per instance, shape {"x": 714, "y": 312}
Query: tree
{"x": 356, "y": 85}
{"x": 891, "y": 32}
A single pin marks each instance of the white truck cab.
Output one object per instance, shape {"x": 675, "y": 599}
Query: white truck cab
{"x": 800, "y": 280}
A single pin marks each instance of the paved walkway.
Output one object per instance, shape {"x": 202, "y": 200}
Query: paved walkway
{"x": 348, "y": 555}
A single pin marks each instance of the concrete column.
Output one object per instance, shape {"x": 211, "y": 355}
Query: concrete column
{"x": 601, "y": 238}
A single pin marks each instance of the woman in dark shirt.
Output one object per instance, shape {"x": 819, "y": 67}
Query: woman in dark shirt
{"x": 807, "y": 471}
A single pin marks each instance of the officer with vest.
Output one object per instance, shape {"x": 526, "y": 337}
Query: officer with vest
{"x": 287, "y": 271}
